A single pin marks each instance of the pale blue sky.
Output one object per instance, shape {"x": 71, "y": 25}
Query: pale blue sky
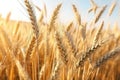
{"x": 66, "y": 14}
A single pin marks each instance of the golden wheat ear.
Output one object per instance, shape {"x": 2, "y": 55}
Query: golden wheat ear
{"x": 94, "y": 7}
{"x": 106, "y": 57}
{"x": 88, "y": 53}
{"x": 98, "y": 33}
{"x": 97, "y": 17}
{"x": 61, "y": 48}
{"x": 32, "y": 18}
{"x": 77, "y": 15}
{"x": 112, "y": 8}
{"x": 69, "y": 27}
{"x": 54, "y": 17}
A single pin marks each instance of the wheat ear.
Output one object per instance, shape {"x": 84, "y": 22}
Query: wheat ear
{"x": 32, "y": 18}
{"x": 78, "y": 18}
{"x": 71, "y": 43}
{"x": 61, "y": 48}
{"x": 54, "y": 17}
{"x": 89, "y": 52}
{"x": 99, "y": 14}
{"x": 30, "y": 48}
{"x": 106, "y": 57}
{"x": 112, "y": 8}
{"x": 98, "y": 33}
{"x": 97, "y": 37}
{"x": 68, "y": 28}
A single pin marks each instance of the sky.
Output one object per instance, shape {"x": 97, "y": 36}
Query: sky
{"x": 18, "y": 11}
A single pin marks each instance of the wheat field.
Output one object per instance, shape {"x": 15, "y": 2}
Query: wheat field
{"x": 38, "y": 50}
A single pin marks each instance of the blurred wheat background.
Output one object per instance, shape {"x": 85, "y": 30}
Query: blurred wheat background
{"x": 47, "y": 48}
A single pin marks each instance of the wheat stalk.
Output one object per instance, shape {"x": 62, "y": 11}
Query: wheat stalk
{"x": 35, "y": 65}
{"x": 11, "y": 52}
{"x": 42, "y": 71}
{"x": 8, "y": 17}
{"x": 55, "y": 72}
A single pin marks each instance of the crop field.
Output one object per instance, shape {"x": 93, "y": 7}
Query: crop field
{"x": 78, "y": 50}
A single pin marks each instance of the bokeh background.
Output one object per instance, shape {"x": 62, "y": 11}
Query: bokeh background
{"x": 18, "y": 11}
